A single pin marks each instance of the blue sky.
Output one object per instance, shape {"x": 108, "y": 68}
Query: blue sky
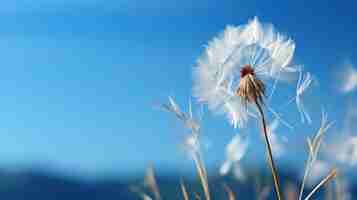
{"x": 78, "y": 78}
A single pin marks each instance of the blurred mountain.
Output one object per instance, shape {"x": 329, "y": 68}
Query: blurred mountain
{"x": 31, "y": 185}
{"x": 35, "y": 185}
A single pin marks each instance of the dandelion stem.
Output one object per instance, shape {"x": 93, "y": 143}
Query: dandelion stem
{"x": 270, "y": 154}
{"x": 332, "y": 174}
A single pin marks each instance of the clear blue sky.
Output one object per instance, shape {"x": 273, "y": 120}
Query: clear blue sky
{"x": 78, "y": 78}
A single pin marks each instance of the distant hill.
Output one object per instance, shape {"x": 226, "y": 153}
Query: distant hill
{"x": 34, "y": 185}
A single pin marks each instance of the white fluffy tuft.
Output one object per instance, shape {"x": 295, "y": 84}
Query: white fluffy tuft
{"x": 217, "y": 73}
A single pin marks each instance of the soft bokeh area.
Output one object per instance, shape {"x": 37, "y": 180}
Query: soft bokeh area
{"x": 81, "y": 82}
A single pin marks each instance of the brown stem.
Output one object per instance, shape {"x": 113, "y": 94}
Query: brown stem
{"x": 270, "y": 154}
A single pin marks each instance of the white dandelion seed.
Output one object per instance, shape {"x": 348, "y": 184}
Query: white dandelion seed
{"x": 303, "y": 84}
{"x": 235, "y": 151}
{"x": 344, "y": 151}
{"x": 238, "y": 173}
{"x": 348, "y": 82}
{"x": 230, "y": 72}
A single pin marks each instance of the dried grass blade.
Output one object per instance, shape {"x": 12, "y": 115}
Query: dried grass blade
{"x": 150, "y": 181}
{"x": 138, "y": 191}
{"x": 329, "y": 177}
{"x": 201, "y": 173}
{"x": 184, "y": 191}
{"x": 197, "y": 196}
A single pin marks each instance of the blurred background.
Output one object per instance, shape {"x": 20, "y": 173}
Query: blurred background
{"x": 79, "y": 81}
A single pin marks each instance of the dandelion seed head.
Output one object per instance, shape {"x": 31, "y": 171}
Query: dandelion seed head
{"x": 231, "y": 71}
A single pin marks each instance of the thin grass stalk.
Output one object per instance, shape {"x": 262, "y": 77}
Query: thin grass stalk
{"x": 195, "y": 134}
{"x": 145, "y": 197}
{"x": 314, "y": 147}
{"x": 201, "y": 168}
{"x": 151, "y": 181}
{"x": 197, "y": 196}
{"x": 202, "y": 164}
{"x": 270, "y": 154}
{"x": 184, "y": 191}
{"x": 329, "y": 177}
{"x": 229, "y": 191}
{"x": 306, "y": 174}
{"x": 201, "y": 174}
{"x": 200, "y": 160}
{"x": 138, "y": 191}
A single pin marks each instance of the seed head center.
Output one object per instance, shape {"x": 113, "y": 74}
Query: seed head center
{"x": 250, "y": 88}
{"x": 247, "y": 69}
